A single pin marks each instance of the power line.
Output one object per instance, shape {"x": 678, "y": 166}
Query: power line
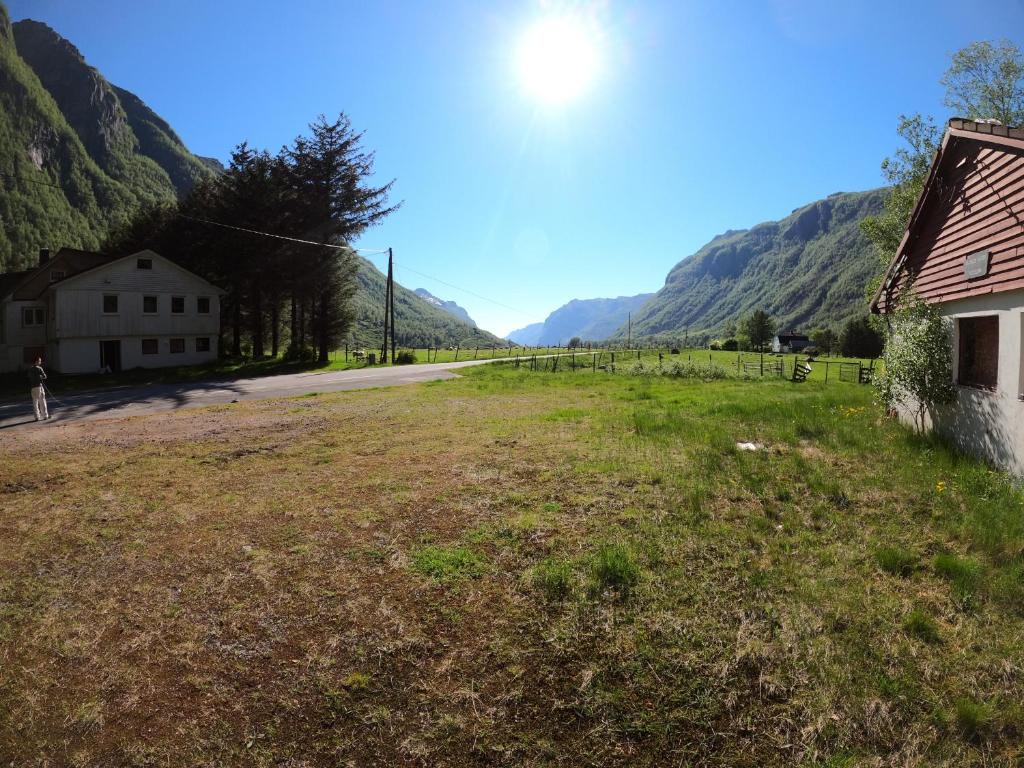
{"x": 283, "y": 237}
{"x": 366, "y": 251}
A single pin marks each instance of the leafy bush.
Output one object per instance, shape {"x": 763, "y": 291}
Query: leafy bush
{"x": 679, "y": 369}
{"x": 730, "y": 345}
{"x": 405, "y": 357}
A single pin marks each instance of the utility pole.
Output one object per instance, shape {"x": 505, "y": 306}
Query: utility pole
{"x": 387, "y": 307}
{"x": 391, "y": 282}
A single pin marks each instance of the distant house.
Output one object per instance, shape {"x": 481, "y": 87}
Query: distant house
{"x": 964, "y": 252}
{"x": 790, "y": 342}
{"x": 85, "y": 312}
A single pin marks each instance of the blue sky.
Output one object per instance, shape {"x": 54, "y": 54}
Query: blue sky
{"x": 700, "y": 117}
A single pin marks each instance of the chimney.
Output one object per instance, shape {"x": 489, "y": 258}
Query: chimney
{"x": 44, "y": 256}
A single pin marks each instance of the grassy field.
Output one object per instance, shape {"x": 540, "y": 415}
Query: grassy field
{"x": 512, "y": 568}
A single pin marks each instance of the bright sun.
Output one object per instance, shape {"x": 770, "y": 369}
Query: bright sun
{"x": 557, "y": 59}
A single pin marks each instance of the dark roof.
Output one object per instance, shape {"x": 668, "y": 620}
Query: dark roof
{"x": 70, "y": 261}
{"x": 10, "y": 280}
{"x": 784, "y": 337}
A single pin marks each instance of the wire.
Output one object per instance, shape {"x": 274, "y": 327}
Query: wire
{"x": 30, "y": 181}
{"x": 283, "y": 237}
{"x": 365, "y": 251}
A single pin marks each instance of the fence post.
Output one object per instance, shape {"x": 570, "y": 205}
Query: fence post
{"x": 826, "y": 371}
{"x": 456, "y": 353}
{"x": 595, "y": 363}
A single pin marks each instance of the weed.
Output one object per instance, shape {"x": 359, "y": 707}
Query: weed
{"x": 973, "y": 719}
{"x": 897, "y": 561}
{"x": 448, "y": 564}
{"x": 554, "y": 577}
{"x": 922, "y": 626}
{"x": 963, "y": 574}
{"x": 614, "y": 566}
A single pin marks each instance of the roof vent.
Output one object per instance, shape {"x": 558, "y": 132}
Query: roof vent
{"x": 44, "y": 256}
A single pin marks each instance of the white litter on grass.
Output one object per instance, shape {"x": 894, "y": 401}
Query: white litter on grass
{"x": 749, "y": 447}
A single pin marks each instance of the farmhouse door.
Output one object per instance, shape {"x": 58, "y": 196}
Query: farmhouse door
{"x": 110, "y": 355}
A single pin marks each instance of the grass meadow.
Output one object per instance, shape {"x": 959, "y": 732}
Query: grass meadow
{"x": 514, "y": 568}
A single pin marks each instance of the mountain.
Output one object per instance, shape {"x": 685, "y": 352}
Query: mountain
{"x": 528, "y": 335}
{"x": 418, "y": 322}
{"x": 448, "y": 306}
{"x": 590, "y": 319}
{"x": 77, "y": 154}
{"x": 807, "y": 270}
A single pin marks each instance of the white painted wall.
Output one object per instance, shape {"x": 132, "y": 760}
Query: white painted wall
{"x": 989, "y": 424}
{"x": 14, "y": 336}
{"x": 80, "y": 323}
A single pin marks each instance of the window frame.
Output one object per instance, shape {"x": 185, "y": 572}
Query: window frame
{"x": 117, "y": 304}
{"x": 967, "y": 372}
{"x": 199, "y": 309}
{"x": 177, "y": 351}
{"x": 156, "y": 300}
{"x": 36, "y": 317}
{"x": 56, "y": 275}
{"x": 156, "y": 346}
{"x": 182, "y": 300}
{"x": 205, "y": 339}
{"x": 144, "y": 261}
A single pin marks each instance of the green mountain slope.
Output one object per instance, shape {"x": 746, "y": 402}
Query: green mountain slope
{"x": 77, "y": 155}
{"x": 807, "y": 270}
{"x": 418, "y": 323}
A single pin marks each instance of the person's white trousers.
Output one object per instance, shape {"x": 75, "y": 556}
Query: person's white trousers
{"x": 39, "y": 402}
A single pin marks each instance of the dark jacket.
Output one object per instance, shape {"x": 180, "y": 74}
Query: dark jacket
{"x": 36, "y": 375}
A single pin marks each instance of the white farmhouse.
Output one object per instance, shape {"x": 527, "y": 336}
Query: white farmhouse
{"x": 86, "y": 312}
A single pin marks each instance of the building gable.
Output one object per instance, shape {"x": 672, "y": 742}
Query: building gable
{"x": 124, "y": 274}
{"x": 966, "y": 236}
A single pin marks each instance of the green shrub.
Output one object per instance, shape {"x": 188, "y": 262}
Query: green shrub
{"x": 405, "y": 357}
{"x": 897, "y": 561}
{"x": 448, "y": 564}
{"x": 922, "y": 626}
{"x": 614, "y": 566}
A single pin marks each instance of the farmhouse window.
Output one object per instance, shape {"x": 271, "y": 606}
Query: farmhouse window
{"x": 110, "y": 304}
{"x": 177, "y": 346}
{"x": 150, "y": 347}
{"x": 979, "y": 351}
{"x": 56, "y": 276}
{"x": 149, "y": 305}
{"x": 144, "y": 264}
{"x": 202, "y": 343}
{"x": 203, "y": 305}
{"x": 177, "y": 305}
{"x": 31, "y": 316}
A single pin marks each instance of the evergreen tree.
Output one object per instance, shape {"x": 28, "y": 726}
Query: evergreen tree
{"x": 860, "y": 339}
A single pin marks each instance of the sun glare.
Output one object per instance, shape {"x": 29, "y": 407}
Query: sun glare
{"x": 557, "y": 59}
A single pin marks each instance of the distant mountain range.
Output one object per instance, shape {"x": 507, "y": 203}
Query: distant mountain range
{"x": 450, "y": 307}
{"x": 78, "y": 155}
{"x": 807, "y": 270}
{"x": 590, "y": 319}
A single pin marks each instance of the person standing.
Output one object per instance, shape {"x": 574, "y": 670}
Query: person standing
{"x": 36, "y": 377}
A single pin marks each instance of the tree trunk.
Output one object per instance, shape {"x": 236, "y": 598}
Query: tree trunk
{"x": 323, "y": 324}
{"x": 236, "y": 323}
{"x": 257, "y": 322}
{"x": 275, "y": 325}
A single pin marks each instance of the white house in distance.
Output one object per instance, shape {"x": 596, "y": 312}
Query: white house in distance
{"x": 85, "y": 312}
{"x": 964, "y": 252}
{"x": 790, "y": 342}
